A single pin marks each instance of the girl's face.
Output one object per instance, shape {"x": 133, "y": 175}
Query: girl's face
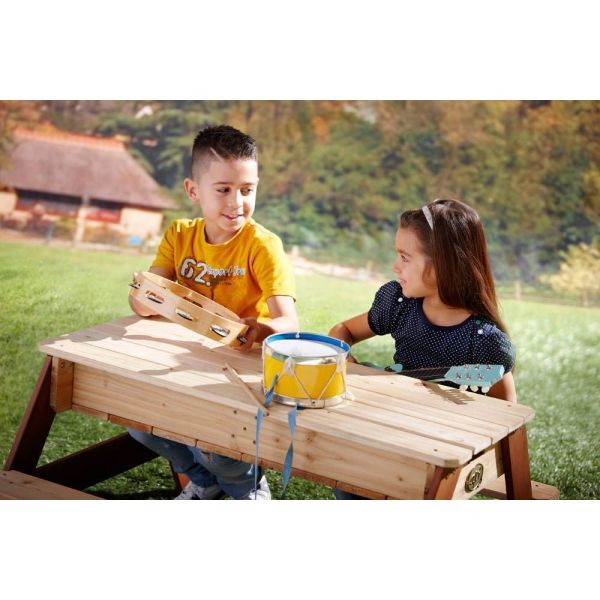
{"x": 410, "y": 266}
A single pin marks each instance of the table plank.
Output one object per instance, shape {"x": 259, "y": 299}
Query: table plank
{"x": 431, "y": 416}
{"x": 475, "y": 442}
{"x": 15, "y": 485}
{"x": 110, "y": 393}
{"x": 317, "y": 449}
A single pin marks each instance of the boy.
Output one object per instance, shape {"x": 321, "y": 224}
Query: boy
{"x": 236, "y": 262}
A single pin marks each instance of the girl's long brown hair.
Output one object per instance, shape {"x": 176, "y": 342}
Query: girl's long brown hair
{"x": 457, "y": 248}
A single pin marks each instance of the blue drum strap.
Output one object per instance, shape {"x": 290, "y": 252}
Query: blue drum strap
{"x": 259, "y": 419}
{"x": 271, "y": 391}
{"x": 289, "y": 457}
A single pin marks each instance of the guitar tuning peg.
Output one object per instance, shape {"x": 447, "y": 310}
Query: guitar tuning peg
{"x": 485, "y": 390}
{"x": 474, "y": 388}
{"x": 463, "y": 388}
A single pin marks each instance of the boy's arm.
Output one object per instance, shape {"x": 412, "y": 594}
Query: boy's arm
{"x": 140, "y": 309}
{"x": 504, "y": 389}
{"x": 283, "y": 319}
{"x": 352, "y": 331}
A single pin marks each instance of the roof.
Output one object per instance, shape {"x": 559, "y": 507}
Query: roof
{"x": 79, "y": 165}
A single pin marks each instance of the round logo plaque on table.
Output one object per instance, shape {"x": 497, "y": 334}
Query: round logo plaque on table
{"x": 474, "y": 478}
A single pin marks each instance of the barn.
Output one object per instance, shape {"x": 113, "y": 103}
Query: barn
{"x": 92, "y": 182}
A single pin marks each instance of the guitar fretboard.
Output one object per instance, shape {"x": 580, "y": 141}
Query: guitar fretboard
{"x": 426, "y": 374}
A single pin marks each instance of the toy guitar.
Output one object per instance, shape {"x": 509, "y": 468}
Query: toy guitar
{"x": 466, "y": 376}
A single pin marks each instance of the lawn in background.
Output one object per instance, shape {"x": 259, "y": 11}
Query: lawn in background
{"x": 49, "y": 291}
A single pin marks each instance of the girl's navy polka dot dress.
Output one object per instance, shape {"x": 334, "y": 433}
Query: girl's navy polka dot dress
{"x": 420, "y": 344}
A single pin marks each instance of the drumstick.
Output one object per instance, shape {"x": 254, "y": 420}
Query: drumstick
{"x": 243, "y": 384}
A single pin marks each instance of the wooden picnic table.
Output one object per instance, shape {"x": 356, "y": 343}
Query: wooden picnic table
{"x": 397, "y": 437}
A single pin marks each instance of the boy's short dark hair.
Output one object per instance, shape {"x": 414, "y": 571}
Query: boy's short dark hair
{"x": 221, "y": 141}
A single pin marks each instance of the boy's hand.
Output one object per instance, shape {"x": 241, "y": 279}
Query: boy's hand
{"x": 251, "y": 334}
{"x": 137, "y": 307}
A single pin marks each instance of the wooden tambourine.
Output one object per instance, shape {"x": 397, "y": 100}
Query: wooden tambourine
{"x": 188, "y": 308}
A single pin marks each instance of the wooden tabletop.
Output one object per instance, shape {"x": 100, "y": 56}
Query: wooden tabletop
{"x": 172, "y": 381}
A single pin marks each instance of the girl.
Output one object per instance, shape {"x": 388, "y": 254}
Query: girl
{"x": 442, "y": 311}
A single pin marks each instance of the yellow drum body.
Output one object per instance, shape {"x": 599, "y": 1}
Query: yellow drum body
{"x": 305, "y": 369}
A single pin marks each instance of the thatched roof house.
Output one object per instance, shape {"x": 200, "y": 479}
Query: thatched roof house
{"x": 66, "y": 173}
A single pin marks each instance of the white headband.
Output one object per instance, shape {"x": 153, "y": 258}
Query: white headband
{"x": 428, "y": 216}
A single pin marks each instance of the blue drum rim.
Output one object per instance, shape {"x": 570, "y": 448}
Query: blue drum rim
{"x": 314, "y": 337}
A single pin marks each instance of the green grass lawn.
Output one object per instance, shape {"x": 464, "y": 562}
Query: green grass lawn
{"x": 48, "y": 291}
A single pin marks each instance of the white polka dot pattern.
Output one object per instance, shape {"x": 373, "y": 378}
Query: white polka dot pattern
{"x": 420, "y": 344}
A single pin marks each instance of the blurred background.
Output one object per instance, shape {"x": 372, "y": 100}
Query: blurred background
{"x": 334, "y": 176}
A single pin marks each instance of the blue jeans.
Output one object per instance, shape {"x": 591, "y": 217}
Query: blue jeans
{"x": 235, "y": 477}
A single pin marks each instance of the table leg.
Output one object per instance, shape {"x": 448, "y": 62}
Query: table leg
{"x": 515, "y": 456}
{"x": 35, "y": 426}
{"x": 180, "y": 480}
{"x": 442, "y": 484}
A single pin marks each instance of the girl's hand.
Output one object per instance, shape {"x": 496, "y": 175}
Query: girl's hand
{"x": 351, "y": 359}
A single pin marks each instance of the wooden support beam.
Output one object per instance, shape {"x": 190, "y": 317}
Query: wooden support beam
{"x": 129, "y": 423}
{"x": 96, "y": 463}
{"x": 61, "y": 389}
{"x": 441, "y": 484}
{"x": 515, "y": 456}
{"x": 35, "y": 425}
{"x": 90, "y": 412}
{"x": 539, "y": 491}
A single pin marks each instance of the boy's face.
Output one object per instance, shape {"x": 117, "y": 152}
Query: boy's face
{"x": 411, "y": 264}
{"x": 226, "y": 194}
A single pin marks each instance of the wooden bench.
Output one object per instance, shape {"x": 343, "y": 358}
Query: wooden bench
{"x": 15, "y": 485}
{"x": 539, "y": 491}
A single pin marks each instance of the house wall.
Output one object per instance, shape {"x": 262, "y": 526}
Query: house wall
{"x": 143, "y": 223}
{"x": 127, "y": 221}
{"x": 8, "y": 201}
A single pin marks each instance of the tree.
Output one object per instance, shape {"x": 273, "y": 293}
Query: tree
{"x": 579, "y": 272}
{"x": 12, "y": 113}
{"x": 335, "y": 175}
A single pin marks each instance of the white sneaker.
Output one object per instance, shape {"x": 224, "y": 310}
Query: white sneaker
{"x": 196, "y": 492}
{"x": 262, "y": 492}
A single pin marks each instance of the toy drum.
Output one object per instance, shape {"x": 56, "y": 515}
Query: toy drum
{"x": 188, "y": 308}
{"x": 305, "y": 369}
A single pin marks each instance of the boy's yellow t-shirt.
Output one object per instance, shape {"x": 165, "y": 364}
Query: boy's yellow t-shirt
{"x": 239, "y": 274}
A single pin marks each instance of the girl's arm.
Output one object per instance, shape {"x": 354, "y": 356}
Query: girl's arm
{"x": 504, "y": 389}
{"x": 352, "y": 331}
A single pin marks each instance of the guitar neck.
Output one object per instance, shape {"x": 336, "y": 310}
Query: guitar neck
{"x": 426, "y": 373}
